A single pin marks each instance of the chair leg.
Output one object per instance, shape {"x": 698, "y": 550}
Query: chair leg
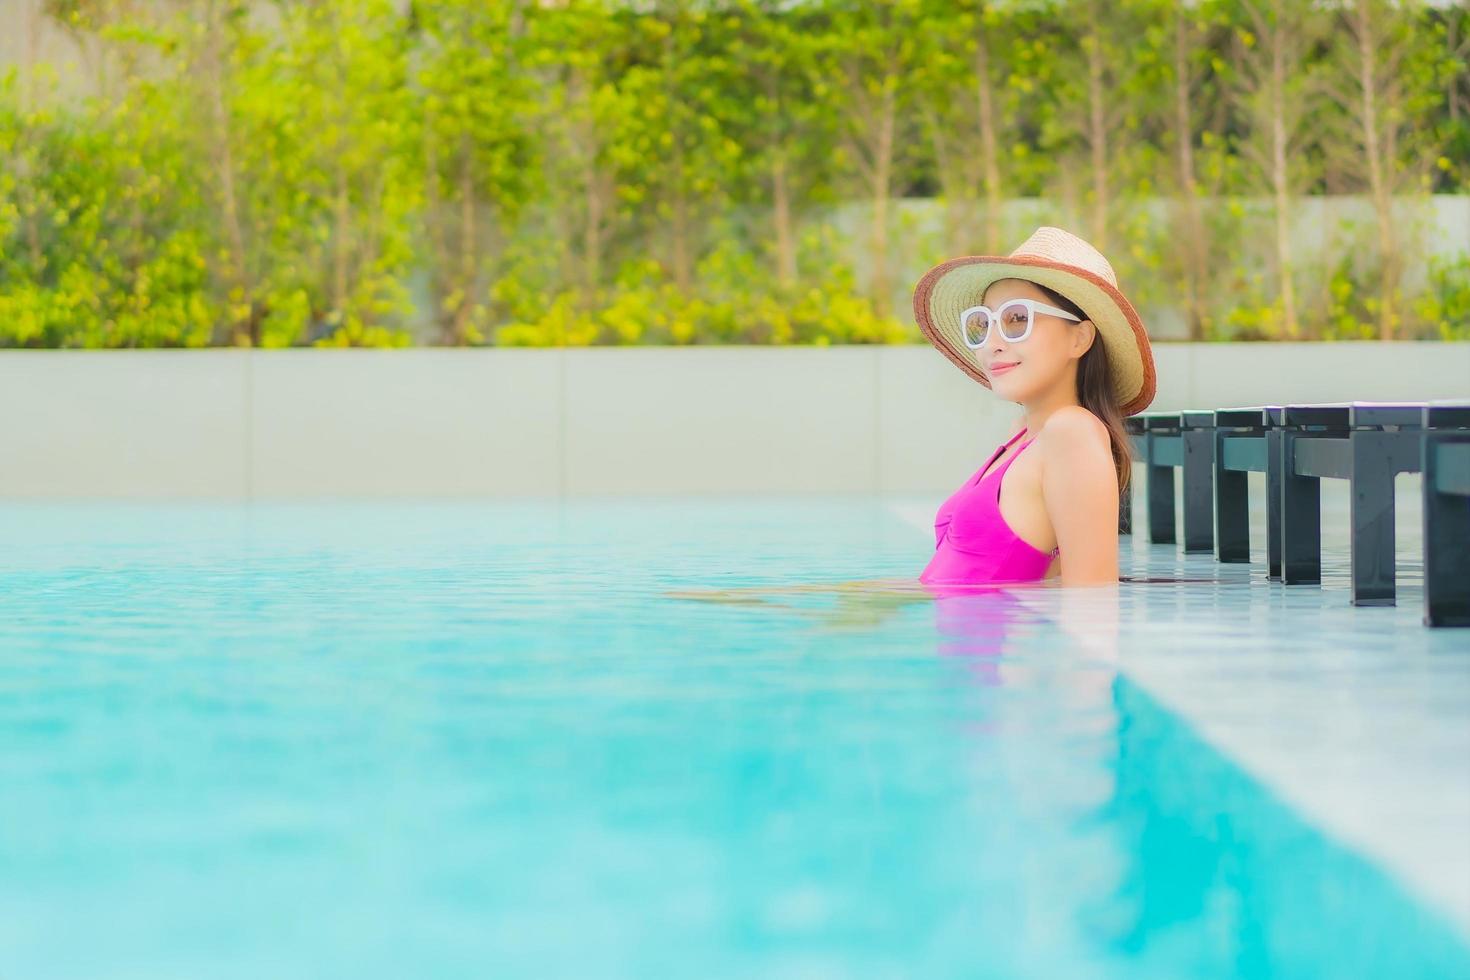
{"x": 1273, "y": 505}
{"x": 1161, "y": 504}
{"x": 1446, "y": 550}
{"x": 1199, "y": 489}
{"x": 1372, "y": 517}
{"x": 1301, "y": 519}
{"x": 1232, "y": 516}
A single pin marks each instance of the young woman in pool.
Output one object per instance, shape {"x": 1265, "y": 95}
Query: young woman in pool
{"x": 1045, "y": 327}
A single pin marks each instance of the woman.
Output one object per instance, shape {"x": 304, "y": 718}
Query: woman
{"x": 1045, "y": 327}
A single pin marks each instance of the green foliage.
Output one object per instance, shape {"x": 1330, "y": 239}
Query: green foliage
{"x": 343, "y": 103}
{"x": 657, "y": 313}
{"x": 104, "y": 246}
{"x": 1446, "y": 304}
{"x": 644, "y": 306}
{"x": 1352, "y": 307}
{"x": 479, "y": 152}
{"x": 374, "y": 172}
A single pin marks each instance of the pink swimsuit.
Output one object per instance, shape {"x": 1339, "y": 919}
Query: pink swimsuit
{"x": 973, "y": 544}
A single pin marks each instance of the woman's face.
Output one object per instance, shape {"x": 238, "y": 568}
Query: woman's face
{"x": 1019, "y": 372}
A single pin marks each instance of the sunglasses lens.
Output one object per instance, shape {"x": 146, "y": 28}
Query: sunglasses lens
{"x": 1014, "y": 321}
{"x": 977, "y": 325}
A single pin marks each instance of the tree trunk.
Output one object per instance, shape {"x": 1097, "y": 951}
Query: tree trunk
{"x": 468, "y": 246}
{"x": 989, "y": 154}
{"x": 882, "y": 183}
{"x": 29, "y": 206}
{"x": 1192, "y": 224}
{"x": 583, "y": 136}
{"x": 679, "y": 246}
{"x": 342, "y": 212}
{"x": 1458, "y": 46}
{"x": 439, "y": 268}
{"x": 1097, "y": 131}
{"x": 1280, "y": 183}
{"x": 956, "y": 190}
{"x": 342, "y": 215}
{"x": 592, "y": 231}
{"x": 785, "y": 235}
{"x": 1378, "y": 182}
{"x": 241, "y": 291}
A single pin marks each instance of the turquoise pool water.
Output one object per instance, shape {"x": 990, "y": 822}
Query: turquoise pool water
{"x": 363, "y": 740}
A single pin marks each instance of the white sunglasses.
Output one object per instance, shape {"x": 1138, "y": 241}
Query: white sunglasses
{"x": 1015, "y": 318}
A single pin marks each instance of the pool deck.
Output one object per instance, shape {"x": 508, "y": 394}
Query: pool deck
{"x": 1359, "y": 718}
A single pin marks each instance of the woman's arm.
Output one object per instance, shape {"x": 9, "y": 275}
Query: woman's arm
{"x": 1080, "y": 489}
{"x": 876, "y": 585}
{"x": 860, "y": 604}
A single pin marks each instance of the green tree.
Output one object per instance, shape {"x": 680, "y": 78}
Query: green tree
{"x": 1280, "y": 97}
{"x": 334, "y": 142}
{"x": 478, "y": 149}
{"x": 978, "y": 87}
{"x": 866, "y": 53}
{"x": 577, "y": 52}
{"x": 674, "y": 142}
{"x": 1384, "y": 77}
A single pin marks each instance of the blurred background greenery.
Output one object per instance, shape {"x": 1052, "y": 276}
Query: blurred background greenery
{"x": 387, "y": 172}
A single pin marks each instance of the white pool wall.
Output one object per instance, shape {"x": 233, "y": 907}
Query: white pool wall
{"x": 431, "y": 422}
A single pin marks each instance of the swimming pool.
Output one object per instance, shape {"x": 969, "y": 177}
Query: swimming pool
{"x": 466, "y": 739}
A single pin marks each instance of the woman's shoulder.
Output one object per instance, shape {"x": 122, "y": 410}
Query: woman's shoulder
{"x": 1072, "y": 429}
{"x": 1076, "y": 459}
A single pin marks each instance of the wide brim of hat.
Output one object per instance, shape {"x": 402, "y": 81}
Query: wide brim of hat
{"x": 951, "y": 287}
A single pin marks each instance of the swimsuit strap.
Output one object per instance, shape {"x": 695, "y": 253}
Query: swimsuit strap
{"x": 1014, "y": 456}
{"x": 985, "y": 470}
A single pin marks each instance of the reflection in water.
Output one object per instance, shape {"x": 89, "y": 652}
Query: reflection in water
{"x": 990, "y": 626}
{"x": 975, "y": 625}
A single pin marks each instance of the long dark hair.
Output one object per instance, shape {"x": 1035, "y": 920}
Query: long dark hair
{"x": 1095, "y": 392}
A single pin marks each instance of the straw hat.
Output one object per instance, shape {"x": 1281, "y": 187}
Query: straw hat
{"x": 1062, "y": 262}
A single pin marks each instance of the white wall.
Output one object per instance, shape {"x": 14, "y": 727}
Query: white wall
{"x": 531, "y": 422}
